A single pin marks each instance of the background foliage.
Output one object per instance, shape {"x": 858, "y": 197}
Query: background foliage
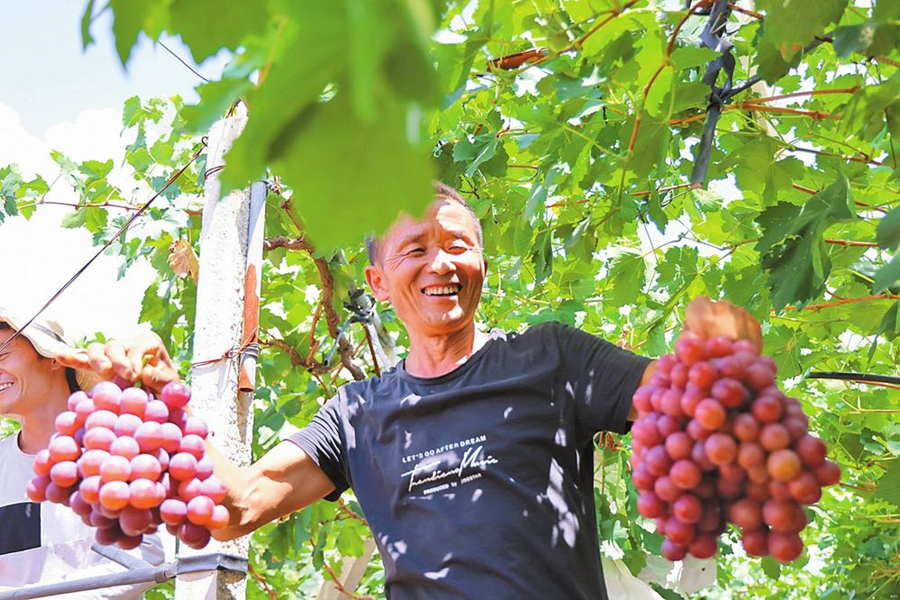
{"x": 579, "y": 163}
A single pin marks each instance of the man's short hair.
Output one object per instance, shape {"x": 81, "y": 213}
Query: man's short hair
{"x": 442, "y": 191}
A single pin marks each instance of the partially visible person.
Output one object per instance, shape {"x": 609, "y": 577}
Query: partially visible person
{"x": 46, "y": 543}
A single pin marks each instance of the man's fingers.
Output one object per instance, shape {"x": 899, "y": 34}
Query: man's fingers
{"x": 74, "y": 359}
{"x": 98, "y": 360}
{"x": 121, "y": 365}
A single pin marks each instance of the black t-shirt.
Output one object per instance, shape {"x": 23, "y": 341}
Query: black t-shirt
{"x": 479, "y": 483}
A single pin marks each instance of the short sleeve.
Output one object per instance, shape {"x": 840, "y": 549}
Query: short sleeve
{"x": 601, "y": 377}
{"x": 323, "y": 442}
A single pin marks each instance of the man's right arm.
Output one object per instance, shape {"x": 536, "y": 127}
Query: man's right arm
{"x": 284, "y": 480}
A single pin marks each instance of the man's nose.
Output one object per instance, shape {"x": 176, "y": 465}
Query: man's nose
{"x": 442, "y": 262}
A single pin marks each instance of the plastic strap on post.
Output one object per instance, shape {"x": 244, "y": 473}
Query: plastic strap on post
{"x": 164, "y": 572}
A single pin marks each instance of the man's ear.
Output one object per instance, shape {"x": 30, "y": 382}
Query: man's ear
{"x": 375, "y": 279}
{"x": 55, "y": 365}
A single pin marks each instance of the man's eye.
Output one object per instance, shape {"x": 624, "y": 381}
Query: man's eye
{"x": 416, "y": 251}
{"x": 458, "y": 249}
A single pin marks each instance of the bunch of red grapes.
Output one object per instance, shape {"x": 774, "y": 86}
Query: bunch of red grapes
{"x": 717, "y": 442}
{"x": 127, "y": 463}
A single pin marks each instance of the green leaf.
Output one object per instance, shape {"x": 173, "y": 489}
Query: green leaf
{"x": 771, "y": 567}
{"x": 792, "y": 246}
{"x": 86, "y": 18}
{"x": 889, "y": 484}
{"x": 207, "y": 26}
{"x": 216, "y": 97}
{"x": 131, "y": 17}
{"x": 343, "y": 171}
{"x": 626, "y": 279}
{"x": 76, "y": 218}
{"x": 888, "y": 232}
{"x": 887, "y": 275}
{"x": 788, "y": 34}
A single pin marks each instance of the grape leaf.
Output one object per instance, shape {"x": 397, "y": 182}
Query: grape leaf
{"x": 792, "y": 246}
{"x": 206, "y": 26}
{"x": 889, "y": 484}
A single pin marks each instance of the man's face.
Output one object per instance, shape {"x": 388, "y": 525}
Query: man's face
{"x": 26, "y": 378}
{"x": 432, "y": 270}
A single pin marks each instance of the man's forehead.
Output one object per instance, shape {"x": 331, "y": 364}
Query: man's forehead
{"x": 407, "y": 227}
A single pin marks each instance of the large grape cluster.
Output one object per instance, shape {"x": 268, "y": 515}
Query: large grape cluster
{"x": 717, "y": 442}
{"x": 127, "y": 463}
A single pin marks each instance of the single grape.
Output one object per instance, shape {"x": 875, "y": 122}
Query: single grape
{"x": 99, "y": 438}
{"x": 710, "y": 414}
{"x": 812, "y": 450}
{"x": 642, "y": 477}
{"x": 781, "y": 515}
{"x": 36, "y": 490}
{"x": 680, "y": 532}
{"x": 42, "y": 463}
{"x": 729, "y": 490}
{"x": 745, "y": 427}
{"x": 730, "y": 392}
{"x": 710, "y": 519}
{"x": 192, "y": 444}
{"x": 779, "y": 490}
{"x": 828, "y": 473}
{"x": 678, "y": 376}
{"x": 173, "y": 511}
{"x": 156, "y": 411}
{"x": 644, "y": 431}
{"x": 756, "y": 543}
{"x": 78, "y": 505}
{"x": 667, "y": 425}
{"x": 176, "y": 395}
{"x": 679, "y": 445}
{"x": 766, "y": 409}
{"x": 115, "y": 468}
{"x": 759, "y": 376}
{"x": 689, "y": 349}
{"x": 703, "y": 546}
{"x": 703, "y": 375}
{"x": 194, "y": 536}
{"x": 650, "y": 505}
{"x": 657, "y": 460}
{"x": 746, "y": 514}
{"x": 641, "y": 399}
{"x": 89, "y": 488}
{"x": 64, "y": 473}
{"x": 189, "y": 489}
{"x": 719, "y": 346}
{"x": 696, "y": 430}
{"x": 698, "y": 455}
{"x": 100, "y": 521}
{"x": 721, "y": 448}
{"x": 106, "y": 396}
{"x": 145, "y": 494}
{"x": 688, "y": 508}
{"x": 774, "y": 437}
{"x": 750, "y": 455}
{"x": 171, "y": 437}
{"x": 149, "y": 436}
{"x": 108, "y": 536}
{"x": 133, "y": 401}
{"x": 200, "y": 510}
{"x": 184, "y": 466}
{"x": 64, "y": 448}
{"x": 785, "y": 547}
{"x": 796, "y": 428}
{"x": 135, "y": 521}
{"x": 67, "y": 423}
{"x": 128, "y": 542}
{"x": 205, "y": 467}
{"x": 114, "y": 495}
{"x": 125, "y": 446}
{"x": 219, "y": 519}
{"x": 214, "y": 488}
{"x": 90, "y": 462}
{"x": 666, "y": 489}
{"x": 685, "y": 474}
{"x": 672, "y": 550}
{"x": 759, "y": 474}
{"x": 805, "y": 489}
{"x": 732, "y": 367}
{"x": 144, "y": 466}
{"x": 101, "y": 418}
{"x": 127, "y": 424}
{"x": 783, "y": 465}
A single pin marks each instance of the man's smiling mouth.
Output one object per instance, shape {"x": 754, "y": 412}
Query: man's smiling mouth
{"x": 4, "y": 386}
{"x": 445, "y": 290}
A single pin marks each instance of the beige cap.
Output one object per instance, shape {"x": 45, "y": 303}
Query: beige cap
{"x": 48, "y": 340}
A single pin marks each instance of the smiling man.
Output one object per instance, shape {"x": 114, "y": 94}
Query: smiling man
{"x": 473, "y": 458}
{"x": 45, "y": 543}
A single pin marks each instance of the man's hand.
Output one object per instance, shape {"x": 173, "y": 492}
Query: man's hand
{"x": 142, "y": 358}
{"x": 709, "y": 319}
